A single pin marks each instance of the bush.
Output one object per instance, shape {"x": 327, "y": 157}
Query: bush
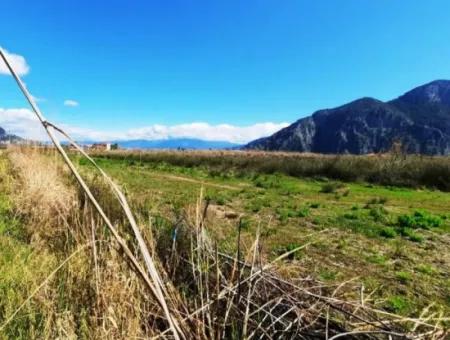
{"x": 378, "y": 214}
{"x": 419, "y": 220}
{"x": 303, "y": 212}
{"x": 329, "y": 188}
{"x": 388, "y": 232}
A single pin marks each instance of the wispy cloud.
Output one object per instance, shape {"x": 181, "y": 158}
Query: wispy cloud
{"x": 71, "y": 103}
{"x": 23, "y": 123}
{"x": 17, "y": 61}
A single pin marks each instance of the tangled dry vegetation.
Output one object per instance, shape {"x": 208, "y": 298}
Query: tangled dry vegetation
{"x": 95, "y": 291}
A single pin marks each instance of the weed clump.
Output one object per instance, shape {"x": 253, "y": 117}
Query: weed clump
{"x": 388, "y": 232}
{"x": 331, "y": 188}
{"x": 377, "y": 200}
{"x": 398, "y": 304}
{"x": 379, "y": 214}
{"x": 419, "y": 220}
{"x": 403, "y": 276}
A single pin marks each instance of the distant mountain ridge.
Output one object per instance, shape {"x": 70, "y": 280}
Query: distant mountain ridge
{"x": 7, "y": 137}
{"x": 419, "y": 119}
{"x": 175, "y": 143}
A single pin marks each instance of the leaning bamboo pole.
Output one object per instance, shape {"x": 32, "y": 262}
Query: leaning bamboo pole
{"x": 154, "y": 282}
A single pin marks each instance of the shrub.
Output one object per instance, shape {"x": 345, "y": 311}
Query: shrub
{"x": 419, "y": 220}
{"x": 388, "y": 232}
{"x": 378, "y": 214}
{"x": 329, "y": 188}
{"x": 303, "y": 212}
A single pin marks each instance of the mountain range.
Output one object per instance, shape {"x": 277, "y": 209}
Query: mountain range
{"x": 175, "y": 143}
{"x": 419, "y": 120}
{"x": 7, "y": 137}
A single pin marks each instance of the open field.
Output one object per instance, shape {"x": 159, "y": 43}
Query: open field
{"x": 356, "y": 247}
{"x": 393, "y": 240}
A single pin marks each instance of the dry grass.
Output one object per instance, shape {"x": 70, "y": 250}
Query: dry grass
{"x": 98, "y": 297}
{"x": 42, "y": 195}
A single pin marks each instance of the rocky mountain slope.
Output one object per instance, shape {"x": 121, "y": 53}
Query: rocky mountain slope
{"x": 419, "y": 119}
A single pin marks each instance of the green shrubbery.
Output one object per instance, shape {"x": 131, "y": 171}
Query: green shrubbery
{"x": 419, "y": 220}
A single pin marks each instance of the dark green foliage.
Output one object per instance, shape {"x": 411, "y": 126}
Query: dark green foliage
{"x": 419, "y": 220}
{"x": 303, "y": 212}
{"x": 388, "y": 232}
{"x": 332, "y": 187}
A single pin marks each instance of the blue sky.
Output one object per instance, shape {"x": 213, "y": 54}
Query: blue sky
{"x": 151, "y": 68}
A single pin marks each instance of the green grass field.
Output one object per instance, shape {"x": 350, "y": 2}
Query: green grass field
{"x": 395, "y": 241}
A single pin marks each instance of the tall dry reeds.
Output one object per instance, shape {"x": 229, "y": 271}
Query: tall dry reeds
{"x": 97, "y": 293}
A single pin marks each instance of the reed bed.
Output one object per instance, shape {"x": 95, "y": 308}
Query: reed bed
{"x": 96, "y": 292}
{"x": 395, "y": 168}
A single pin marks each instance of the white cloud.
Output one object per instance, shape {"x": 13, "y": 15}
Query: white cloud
{"x": 220, "y": 132}
{"x": 71, "y": 103}
{"x": 23, "y": 122}
{"x": 18, "y": 63}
